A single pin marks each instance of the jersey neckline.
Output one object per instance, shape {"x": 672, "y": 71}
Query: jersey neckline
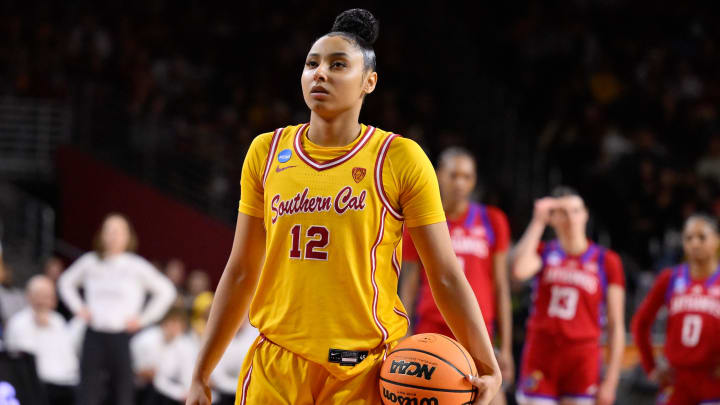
{"x": 582, "y": 257}
{"x": 319, "y": 166}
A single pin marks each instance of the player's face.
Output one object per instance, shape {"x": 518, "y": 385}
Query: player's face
{"x": 700, "y": 241}
{"x": 334, "y": 79}
{"x": 456, "y": 177}
{"x": 115, "y": 235}
{"x": 569, "y": 216}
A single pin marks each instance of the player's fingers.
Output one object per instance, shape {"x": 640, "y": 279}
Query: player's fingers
{"x": 481, "y": 383}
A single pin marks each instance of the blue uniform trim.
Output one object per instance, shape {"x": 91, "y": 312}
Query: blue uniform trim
{"x": 486, "y": 223}
{"x": 674, "y": 277}
{"x": 472, "y": 213}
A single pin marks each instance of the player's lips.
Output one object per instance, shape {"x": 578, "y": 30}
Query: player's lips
{"x": 319, "y": 92}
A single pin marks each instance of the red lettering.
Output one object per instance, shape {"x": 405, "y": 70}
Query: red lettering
{"x": 274, "y": 209}
{"x": 345, "y": 200}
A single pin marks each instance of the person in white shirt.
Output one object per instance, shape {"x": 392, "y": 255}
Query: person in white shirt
{"x": 41, "y": 331}
{"x": 174, "y": 375}
{"x": 12, "y": 299}
{"x": 115, "y": 282}
{"x": 148, "y": 348}
{"x": 227, "y": 371}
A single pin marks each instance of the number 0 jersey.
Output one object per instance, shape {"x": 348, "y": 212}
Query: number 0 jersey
{"x": 334, "y": 219}
{"x": 693, "y": 322}
{"x": 569, "y": 292}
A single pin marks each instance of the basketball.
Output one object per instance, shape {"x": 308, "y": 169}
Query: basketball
{"x": 427, "y": 369}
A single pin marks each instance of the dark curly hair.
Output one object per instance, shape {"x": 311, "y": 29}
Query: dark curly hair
{"x": 361, "y": 28}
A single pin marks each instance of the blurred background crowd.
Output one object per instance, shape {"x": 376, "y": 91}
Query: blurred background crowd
{"x": 618, "y": 99}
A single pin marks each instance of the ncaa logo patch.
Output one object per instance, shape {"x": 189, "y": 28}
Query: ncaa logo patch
{"x": 284, "y": 155}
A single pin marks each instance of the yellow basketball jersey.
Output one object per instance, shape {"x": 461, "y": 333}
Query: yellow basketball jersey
{"x": 333, "y": 238}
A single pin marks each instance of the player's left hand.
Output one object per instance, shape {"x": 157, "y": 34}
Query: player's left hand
{"x": 488, "y": 386}
{"x": 605, "y": 394}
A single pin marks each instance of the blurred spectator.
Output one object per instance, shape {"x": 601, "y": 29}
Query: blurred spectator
{"x": 197, "y": 283}
{"x": 173, "y": 377}
{"x": 175, "y": 271}
{"x": 41, "y": 331}
{"x": 52, "y": 269}
{"x": 228, "y": 369}
{"x": 12, "y": 299}
{"x": 115, "y": 282}
{"x": 148, "y": 349}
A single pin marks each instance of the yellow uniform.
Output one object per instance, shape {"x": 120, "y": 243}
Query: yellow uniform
{"x": 333, "y": 218}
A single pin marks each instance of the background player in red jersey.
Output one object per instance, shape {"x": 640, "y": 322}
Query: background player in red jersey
{"x": 480, "y": 236}
{"x": 691, "y": 293}
{"x": 575, "y": 281}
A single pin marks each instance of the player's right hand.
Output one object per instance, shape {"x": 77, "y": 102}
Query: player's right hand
{"x": 488, "y": 386}
{"x": 199, "y": 394}
{"x": 662, "y": 375}
{"x": 542, "y": 210}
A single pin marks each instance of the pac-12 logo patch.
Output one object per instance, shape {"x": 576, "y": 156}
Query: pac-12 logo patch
{"x": 284, "y": 155}
{"x": 358, "y": 174}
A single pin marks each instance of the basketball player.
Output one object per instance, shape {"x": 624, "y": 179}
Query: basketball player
{"x": 691, "y": 293}
{"x": 576, "y": 282}
{"x": 317, "y": 246}
{"x": 480, "y": 236}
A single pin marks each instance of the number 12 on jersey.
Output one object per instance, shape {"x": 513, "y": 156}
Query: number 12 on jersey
{"x": 318, "y": 238}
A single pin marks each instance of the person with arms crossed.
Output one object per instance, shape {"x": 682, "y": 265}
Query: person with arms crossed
{"x": 480, "y": 236}
{"x": 576, "y": 282}
{"x": 317, "y": 246}
{"x": 691, "y": 293}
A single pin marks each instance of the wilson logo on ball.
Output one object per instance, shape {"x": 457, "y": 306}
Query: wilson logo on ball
{"x": 402, "y": 400}
{"x": 411, "y": 368}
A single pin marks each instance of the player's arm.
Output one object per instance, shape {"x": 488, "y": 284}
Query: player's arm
{"x": 231, "y": 302}
{"x": 409, "y": 286}
{"x": 525, "y": 260}
{"x": 645, "y": 316}
{"x": 616, "y": 343}
{"x": 457, "y": 303}
{"x": 504, "y": 313}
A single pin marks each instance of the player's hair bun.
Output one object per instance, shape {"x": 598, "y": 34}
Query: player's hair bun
{"x": 358, "y": 22}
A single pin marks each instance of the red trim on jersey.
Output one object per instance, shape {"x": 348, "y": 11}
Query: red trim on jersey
{"x": 271, "y": 153}
{"x": 246, "y": 381}
{"x": 403, "y": 314}
{"x": 379, "y": 163}
{"x": 395, "y": 263}
{"x": 373, "y": 261}
{"x": 369, "y": 131}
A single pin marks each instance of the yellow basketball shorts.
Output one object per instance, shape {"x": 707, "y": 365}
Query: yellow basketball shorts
{"x": 272, "y": 375}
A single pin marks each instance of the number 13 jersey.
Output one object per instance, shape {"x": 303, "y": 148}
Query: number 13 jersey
{"x": 569, "y": 292}
{"x": 333, "y": 219}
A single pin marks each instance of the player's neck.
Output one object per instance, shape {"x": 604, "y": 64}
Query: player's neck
{"x": 341, "y": 130}
{"x": 703, "y": 269}
{"x": 455, "y": 210}
{"x": 573, "y": 245}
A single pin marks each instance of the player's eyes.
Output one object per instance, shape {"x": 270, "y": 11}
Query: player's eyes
{"x": 338, "y": 64}
{"x": 311, "y": 64}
